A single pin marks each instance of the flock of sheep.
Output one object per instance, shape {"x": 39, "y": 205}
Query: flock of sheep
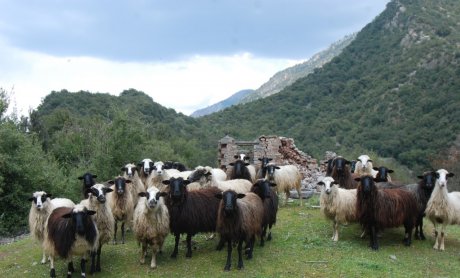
{"x": 156, "y": 199}
{"x": 361, "y": 193}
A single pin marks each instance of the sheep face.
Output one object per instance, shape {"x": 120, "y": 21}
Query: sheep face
{"x": 80, "y": 216}
{"x": 441, "y": 177}
{"x": 177, "y": 188}
{"x": 147, "y": 166}
{"x": 367, "y": 183}
{"x": 328, "y": 183}
{"x": 264, "y": 187}
{"x": 152, "y": 197}
{"x": 158, "y": 167}
{"x": 364, "y": 162}
{"x": 129, "y": 169}
{"x": 429, "y": 179}
{"x": 339, "y": 163}
{"x": 271, "y": 171}
{"x": 120, "y": 185}
{"x": 229, "y": 198}
{"x": 88, "y": 179}
{"x": 99, "y": 191}
{"x": 382, "y": 173}
{"x": 39, "y": 198}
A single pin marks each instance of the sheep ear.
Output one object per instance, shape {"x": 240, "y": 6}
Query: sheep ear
{"x": 218, "y": 195}
{"x": 231, "y": 164}
{"x": 420, "y": 177}
{"x": 260, "y": 159}
{"x": 163, "y": 194}
{"x": 186, "y": 182}
{"x": 107, "y": 190}
{"x": 320, "y": 183}
{"x": 67, "y": 215}
{"x": 370, "y": 160}
{"x": 375, "y": 168}
{"x": 235, "y": 156}
{"x": 347, "y": 162}
{"x": 87, "y": 191}
{"x": 240, "y": 195}
{"x": 123, "y": 168}
{"x": 142, "y": 194}
{"x": 166, "y": 182}
{"x": 390, "y": 171}
{"x": 94, "y": 176}
{"x": 128, "y": 181}
{"x": 111, "y": 182}
{"x": 91, "y": 212}
{"x": 31, "y": 199}
{"x": 272, "y": 184}
{"x": 358, "y": 179}
{"x": 450, "y": 175}
{"x": 48, "y": 195}
{"x": 80, "y": 178}
{"x": 246, "y": 164}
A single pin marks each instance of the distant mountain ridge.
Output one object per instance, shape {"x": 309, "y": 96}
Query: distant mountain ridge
{"x": 232, "y": 100}
{"x": 281, "y": 79}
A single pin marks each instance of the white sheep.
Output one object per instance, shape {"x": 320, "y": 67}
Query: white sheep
{"x": 285, "y": 177}
{"x": 443, "y": 207}
{"x": 337, "y": 204}
{"x": 104, "y": 219}
{"x": 121, "y": 204}
{"x": 206, "y": 175}
{"x": 130, "y": 172}
{"x": 41, "y": 208}
{"x": 151, "y": 223}
{"x": 364, "y": 166}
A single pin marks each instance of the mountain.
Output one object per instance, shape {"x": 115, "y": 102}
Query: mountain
{"x": 286, "y": 77}
{"x": 392, "y": 90}
{"x": 281, "y": 79}
{"x": 232, "y": 100}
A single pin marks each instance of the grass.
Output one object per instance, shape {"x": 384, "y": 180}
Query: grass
{"x": 301, "y": 247}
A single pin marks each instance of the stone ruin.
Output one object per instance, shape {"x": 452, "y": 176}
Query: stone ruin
{"x": 283, "y": 152}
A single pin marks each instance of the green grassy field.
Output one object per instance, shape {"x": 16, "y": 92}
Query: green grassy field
{"x": 301, "y": 247}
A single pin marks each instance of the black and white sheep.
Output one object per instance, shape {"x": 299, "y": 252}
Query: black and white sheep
{"x": 69, "y": 232}
{"x": 144, "y": 169}
{"x": 40, "y": 209}
{"x": 285, "y": 177}
{"x": 207, "y": 176}
{"x": 190, "y": 212}
{"x": 122, "y": 205}
{"x": 443, "y": 207}
{"x": 262, "y": 169}
{"x": 151, "y": 223}
{"x": 130, "y": 172}
{"x": 104, "y": 219}
{"x": 239, "y": 220}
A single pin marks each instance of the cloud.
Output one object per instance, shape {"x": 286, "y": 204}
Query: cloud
{"x": 185, "y": 85}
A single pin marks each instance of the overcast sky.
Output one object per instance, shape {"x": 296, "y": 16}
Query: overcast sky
{"x": 184, "y": 54}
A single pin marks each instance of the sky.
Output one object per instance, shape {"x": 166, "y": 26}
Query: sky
{"x": 186, "y": 55}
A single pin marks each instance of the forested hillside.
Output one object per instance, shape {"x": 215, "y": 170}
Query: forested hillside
{"x": 393, "y": 90}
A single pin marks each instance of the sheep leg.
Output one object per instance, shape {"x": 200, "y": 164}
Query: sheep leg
{"x": 228, "y": 264}
{"x": 98, "y": 258}
{"x": 443, "y": 228}
{"x": 189, "y": 246}
{"x": 264, "y": 233}
{"x": 269, "y": 236}
{"x": 93, "y": 262}
{"x": 240, "y": 255}
{"x": 436, "y": 246}
{"x": 43, "y": 258}
{"x": 83, "y": 267}
{"x": 300, "y": 196}
{"x": 422, "y": 236}
{"x": 143, "y": 253}
{"x": 123, "y": 233}
{"x": 176, "y": 246}
{"x": 153, "y": 262}
{"x": 115, "y": 233}
{"x": 335, "y": 227}
{"x": 251, "y": 247}
{"x": 408, "y": 233}
{"x": 373, "y": 236}
{"x": 52, "y": 270}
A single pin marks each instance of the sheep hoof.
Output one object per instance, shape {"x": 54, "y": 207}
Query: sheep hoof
{"x": 188, "y": 255}
{"x": 153, "y": 266}
{"x": 422, "y": 237}
{"x": 173, "y": 255}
